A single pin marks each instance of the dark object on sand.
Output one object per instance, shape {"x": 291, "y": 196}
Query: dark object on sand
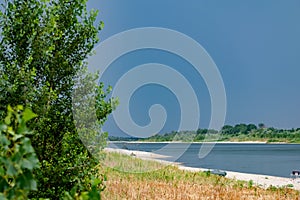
{"x": 217, "y": 172}
{"x": 295, "y": 174}
{"x": 132, "y": 154}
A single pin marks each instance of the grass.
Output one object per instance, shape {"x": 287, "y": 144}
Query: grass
{"x": 153, "y": 180}
{"x": 129, "y": 164}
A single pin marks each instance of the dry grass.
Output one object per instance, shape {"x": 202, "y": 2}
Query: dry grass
{"x": 168, "y": 182}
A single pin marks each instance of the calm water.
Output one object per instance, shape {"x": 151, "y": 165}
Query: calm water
{"x": 268, "y": 159}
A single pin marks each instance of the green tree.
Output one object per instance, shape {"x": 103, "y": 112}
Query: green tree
{"x": 202, "y": 131}
{"x": 240, "y": 128}
{"x": 43, "y": 46}
{"x": 251, "y": 127}
{"x": 227, "y": 129}
{"x": 261, "y": 125}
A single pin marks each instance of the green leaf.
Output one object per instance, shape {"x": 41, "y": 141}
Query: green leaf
{"x": 2, "y": 171}
{"x": 33, "y": 160}
{"x": 7, "y": 119}
{"x": 96, "y": 182}
{"x": 28, "y": 115}
{"x": 17, "y": 157}
{"x": 17, "y": 136}
{"x": 20, "y": 107}
{"x": 94, "y": 194}
{"x": 11, "y": 170}
{"x": 10, "y": 130}
{"x": 9, "y": 109}
{"x": 3, "y": 184}
{"x": 26, "y": 164}
{"x": 26, "y": 181}
{"x": 101, "y": 25}
{"x": 4, "y": 141}
{"x": 27, "y": 145}
{"x": 3, "y": 127}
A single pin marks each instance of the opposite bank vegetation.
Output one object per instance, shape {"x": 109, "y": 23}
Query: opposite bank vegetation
{"x": 237, "y": 133}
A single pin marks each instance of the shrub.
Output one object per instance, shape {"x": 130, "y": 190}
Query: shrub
{"x": 17, "y": 156}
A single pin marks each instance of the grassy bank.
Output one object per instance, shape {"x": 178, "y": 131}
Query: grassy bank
{"x": 146, "y": 179}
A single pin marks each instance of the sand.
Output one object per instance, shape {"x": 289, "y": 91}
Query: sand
{"x": 263, "y": 181}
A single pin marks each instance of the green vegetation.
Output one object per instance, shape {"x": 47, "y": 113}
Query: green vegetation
{"x": 43, "y": 48}
{"x": 130, "y": 164}
{"x": 17, "y": 156}
{"x": 237, "y": 133}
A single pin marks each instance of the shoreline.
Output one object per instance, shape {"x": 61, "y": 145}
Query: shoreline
{"x": 219, "y": 142}
{"x": 260, "y": 180}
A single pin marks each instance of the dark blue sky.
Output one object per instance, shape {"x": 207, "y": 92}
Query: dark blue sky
{"x": 255, "y": 45}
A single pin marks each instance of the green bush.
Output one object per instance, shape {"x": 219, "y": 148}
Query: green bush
{"x": 17, "y": 156}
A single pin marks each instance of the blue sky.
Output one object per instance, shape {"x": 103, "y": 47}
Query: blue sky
{"x": 255, "y": 45}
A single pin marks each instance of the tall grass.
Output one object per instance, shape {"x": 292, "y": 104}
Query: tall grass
{"x": 169, "y": 182}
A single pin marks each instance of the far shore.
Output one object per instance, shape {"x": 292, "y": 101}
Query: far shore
{"x": 260, "y": 180}
{"x": 218, "y": 142}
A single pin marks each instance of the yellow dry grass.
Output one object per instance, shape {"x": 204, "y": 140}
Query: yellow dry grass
{"x": 168, "y": 182}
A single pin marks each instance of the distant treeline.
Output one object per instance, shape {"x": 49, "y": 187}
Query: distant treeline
{"x": 239, "y": 132}
{"x": 115, "y": 138}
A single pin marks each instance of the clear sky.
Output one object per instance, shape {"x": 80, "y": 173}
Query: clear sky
{"x": 255, "y": 45}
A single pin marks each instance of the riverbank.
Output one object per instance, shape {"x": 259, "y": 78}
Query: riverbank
{"x": 218, "y": 142}
{"x": 263, "y": 181}
{"x": 139, "y": 175}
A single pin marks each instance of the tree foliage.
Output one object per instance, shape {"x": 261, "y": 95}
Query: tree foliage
{"x": 17, "y": 156}
{"x": 43, "y": 46}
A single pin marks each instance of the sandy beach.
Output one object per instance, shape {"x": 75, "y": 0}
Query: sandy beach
{"x": 263, "y": 181}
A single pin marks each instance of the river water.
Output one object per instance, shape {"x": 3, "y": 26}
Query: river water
{"x": 269, "y": 159}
